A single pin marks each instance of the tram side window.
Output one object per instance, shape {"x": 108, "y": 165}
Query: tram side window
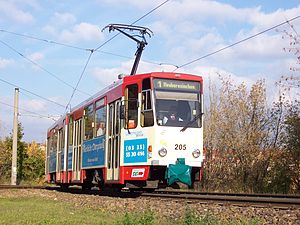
{"x": 147, "y": 119}
{"x": 100, "y": 119}
{"x": 88, "y": 122}
{"x": 61, "y": 139}
{"x": 54, "y": 143}
{"x": 131, "y": 106}
{"x": 71, "y": 131}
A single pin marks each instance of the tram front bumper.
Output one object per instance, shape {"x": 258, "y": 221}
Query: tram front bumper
{"x": 179, "y": 172}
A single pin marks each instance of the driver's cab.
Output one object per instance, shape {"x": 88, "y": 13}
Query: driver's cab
{"x": 177, "y": 107}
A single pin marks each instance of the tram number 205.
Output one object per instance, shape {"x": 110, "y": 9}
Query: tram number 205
{"x": 180, "y": 146}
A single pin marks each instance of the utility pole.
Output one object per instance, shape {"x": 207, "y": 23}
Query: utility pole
{"x": 15, "y": 139}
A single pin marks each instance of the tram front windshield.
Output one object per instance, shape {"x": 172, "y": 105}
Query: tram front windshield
{"x": 177, "y": 103}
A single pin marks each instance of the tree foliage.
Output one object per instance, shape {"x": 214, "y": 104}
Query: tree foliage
{"x": 291, "y": 142}
{"x": 30, "y": 159}
{"x": 242, "y": 139}
{"x": 5, "y": 161}
{"x": 6, "y": 156}
{"x": 35, "y": 162}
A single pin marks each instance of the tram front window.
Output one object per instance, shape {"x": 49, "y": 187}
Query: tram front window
{"x": 177, "y": 109}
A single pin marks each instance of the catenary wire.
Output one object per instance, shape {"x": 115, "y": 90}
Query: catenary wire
{"x": 236, "y": 43}
{"x": 67, "y": 45}
{"x": 142, "y": 17}
{"x": 30, "y": 97}
{"x": 81, "y": 75}
{"x": 44, "y": 40}
{"x": 25, "y": 110}
{"x": 40, "y": 116}
{"x": 96, "y": 49}
{"x": 42, "y": 68}
{"x": 30, "y": 92}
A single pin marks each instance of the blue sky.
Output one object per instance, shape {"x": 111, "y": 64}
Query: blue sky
{"x": 183, "y": 30}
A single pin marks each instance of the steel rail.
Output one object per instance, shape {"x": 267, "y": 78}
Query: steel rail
{"x": 4, "y": 186}
{"x": 288, "y": 201}
{"x": 172, "y": 191}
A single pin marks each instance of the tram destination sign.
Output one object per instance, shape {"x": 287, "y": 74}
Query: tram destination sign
{"x": 176, "y": 85}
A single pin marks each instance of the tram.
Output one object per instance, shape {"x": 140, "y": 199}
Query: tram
{"x": 142, "y": 131}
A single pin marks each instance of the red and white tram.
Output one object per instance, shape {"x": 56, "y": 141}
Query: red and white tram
{"x": 143, "y": 131}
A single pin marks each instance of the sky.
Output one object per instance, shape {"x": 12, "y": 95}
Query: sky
{"x": 45, "y": 48}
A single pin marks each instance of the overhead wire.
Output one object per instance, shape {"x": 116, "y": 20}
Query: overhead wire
{"x": 142, "y": 17}
{"x": 25, "y": 110}
{"x": 67, "y": 45}
{"x": 235, "y": 43}
{"x": 41, "y": 116}
{"x": 96, "y": 49}
{"x": 151, "y": 11}
{"x": 30, "y": 97}
{"x": 44, "y": 40}
{"x": 32, "y": 93}
{"x": 74, "y": 47}
{"x": 42, "y": 68}
{"x": 81, "y": 75}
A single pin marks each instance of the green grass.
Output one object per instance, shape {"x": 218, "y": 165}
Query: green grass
{"x": 38, "y": 211}
{"x": 191, "y": 218}
{"x": 31, "y": 211}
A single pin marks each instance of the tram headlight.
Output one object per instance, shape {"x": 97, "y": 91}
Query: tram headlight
{"x": 196, "y": 153}
{"x": 162, "y": 152}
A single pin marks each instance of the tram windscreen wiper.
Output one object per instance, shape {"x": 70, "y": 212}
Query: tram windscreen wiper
{"x": 191, "y": 122}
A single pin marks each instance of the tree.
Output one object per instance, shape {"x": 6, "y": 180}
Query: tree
{"x": 34, "y": 165}
{"x": 291, "y": 82}
{"x": 292, "y": 143}
{"x": 6, "y": 154}
{"x": 5, "y": 162}
{"x": 241, "y": 137}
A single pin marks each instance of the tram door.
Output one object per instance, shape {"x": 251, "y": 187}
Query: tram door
{"x": 113, "y": 152}
{"x": 60, "y": 150}
{"x": 77, "y": 149}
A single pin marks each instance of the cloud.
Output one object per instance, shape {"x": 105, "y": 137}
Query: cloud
{"x": 79, "y": 32}
{"x": 33, "y": 105}
{"x": 62, "y": 19}
{"x": 202, "y": 29}
{"x": 5, "y": 62}
{"x": 11, "y": 10}
{"x": 82, "y": 32}
{"x": 136, "y": 3}
{"x": 107, "y": 76}
{"x": 37, "y": 56}
{"x": 264, "y": 20}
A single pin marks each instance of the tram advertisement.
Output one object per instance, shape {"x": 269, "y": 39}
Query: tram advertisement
{"x": 93, "y": 152}
{"x": 135, "y": 150}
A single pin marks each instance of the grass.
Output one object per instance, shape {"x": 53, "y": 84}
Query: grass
{"x": 191, "y": 218}
{"x": 33, "y": 210}
{"x": 38, "y": 211}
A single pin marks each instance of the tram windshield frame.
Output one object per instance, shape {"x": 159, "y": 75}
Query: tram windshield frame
{"x": 177, "y": 103}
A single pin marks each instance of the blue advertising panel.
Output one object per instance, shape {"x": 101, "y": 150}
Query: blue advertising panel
{"x": 70, "y": 154}
{"x": 52, "y": 162}
{"x": 135, "y": 150}
{"x": 93, "y": 152}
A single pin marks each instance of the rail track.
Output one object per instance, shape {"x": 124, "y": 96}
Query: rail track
{"x": 240, "y": 199}
{"x": 257, "y": 200}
